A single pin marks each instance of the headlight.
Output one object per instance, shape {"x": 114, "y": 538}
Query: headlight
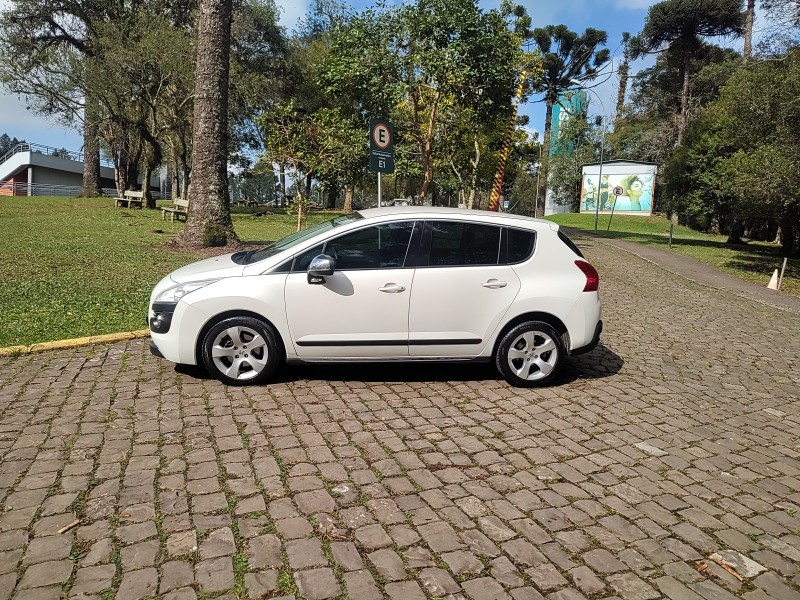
{"x": 174, "y": 294}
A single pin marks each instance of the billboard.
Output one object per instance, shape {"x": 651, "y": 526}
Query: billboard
{"x": 636, "y": 198}
{"x": 570, "y": 103}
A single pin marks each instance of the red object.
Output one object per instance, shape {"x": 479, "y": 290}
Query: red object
{"x": 592, "y": 276}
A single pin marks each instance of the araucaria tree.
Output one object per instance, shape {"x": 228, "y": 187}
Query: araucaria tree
{"x": 209, "y": 222}
{"x": 678, "y": 27}
{"x": 566, "y": 56}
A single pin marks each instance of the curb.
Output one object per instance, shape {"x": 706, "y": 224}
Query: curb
{"x": 75, "y": 342}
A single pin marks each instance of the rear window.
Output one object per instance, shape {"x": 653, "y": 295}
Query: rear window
{"x": 563, "y": 237}
{"x": 521, "y": 243}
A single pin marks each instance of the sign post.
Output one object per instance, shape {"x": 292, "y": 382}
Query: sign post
{"x": 617, "y": 191}
{"x": 381, "y": 149}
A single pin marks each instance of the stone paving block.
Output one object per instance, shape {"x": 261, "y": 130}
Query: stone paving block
{"x": 262, "y": 584}
{"x": 631, "y": 587}
{"x": 215, "y": 575}
{"x": 174, "y": 575}
{"x": 387, "y": 564}
{"x": 93, "y": 580}
{"x": 264, "y": 551}
{"x": 405, "y": 590}
{"x": 136, "y": 585}
{"x": 317, "y": 584}
{"x": 46, "y": 549}
{"x": 305, "y": 553}
{"x": 361, "y": 585}
{"x": 46, "y": 573}
{"x": 218, "y": 543}
{"x": 346, "y": 556}
{"x": 484, "y": 588}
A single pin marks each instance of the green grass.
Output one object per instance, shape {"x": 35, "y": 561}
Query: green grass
{"x": 74, "y": 267}
{"x": 754, "y": 261}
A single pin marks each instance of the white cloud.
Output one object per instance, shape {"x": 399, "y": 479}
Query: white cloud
{"x": 634, "y": 4}
{"x": 291, "y": 11}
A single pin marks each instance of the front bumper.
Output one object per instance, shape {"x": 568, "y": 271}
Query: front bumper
{"x": 154, "y": 350}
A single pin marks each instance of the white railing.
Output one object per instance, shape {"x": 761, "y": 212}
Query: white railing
{"x": 50, "y": 151}
{"x": 46, "y": 189}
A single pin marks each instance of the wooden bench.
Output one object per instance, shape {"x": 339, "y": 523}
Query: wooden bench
{"x": 130, "y": 199}
{"x": 179, "y": 208}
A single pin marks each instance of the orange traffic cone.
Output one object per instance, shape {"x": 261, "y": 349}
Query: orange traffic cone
{"x": 773, "y": 282}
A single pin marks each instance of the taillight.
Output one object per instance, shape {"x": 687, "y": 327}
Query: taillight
{"x": 592, "y": 276}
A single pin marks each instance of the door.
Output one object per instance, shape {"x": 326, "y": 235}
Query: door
{"x": 461, "y": 291}
{"x": 361, "y": 311}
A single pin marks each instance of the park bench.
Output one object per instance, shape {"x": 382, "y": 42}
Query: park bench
{"x": 130, "y": 199}
{"x": 179, "y": 208}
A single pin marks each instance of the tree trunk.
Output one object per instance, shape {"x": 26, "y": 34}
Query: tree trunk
{"x": 623, "y": 88}
{"x": 91, "y": 157}
{"x": 541, "y": 193}
{"x": 148, "y": 195}
{"x": 426, "y": 149}
{"x": 348, "y": 198}
{"x": 308, "y": 185}
{"x": 749, "y": 17}
{"x": 333, "y": 193}
{"x": 282, "y": 183}
{"x": 684, "y": 120}
{"x": 209, "y": 221}
{"x": 735, "y": 234}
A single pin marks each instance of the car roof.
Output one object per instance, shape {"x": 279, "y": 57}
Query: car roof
{"x": 444, "y": 211}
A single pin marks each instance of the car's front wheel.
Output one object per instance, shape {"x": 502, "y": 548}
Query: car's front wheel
{"x": 241, "y": 351}
{"x": 529, "y": 355}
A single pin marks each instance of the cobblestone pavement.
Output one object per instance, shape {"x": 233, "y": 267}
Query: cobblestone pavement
{"x": 666, "y": 463}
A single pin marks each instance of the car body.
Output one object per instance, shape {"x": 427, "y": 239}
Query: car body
{"x": 386, "y": 284}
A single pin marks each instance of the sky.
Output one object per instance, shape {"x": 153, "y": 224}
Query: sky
{"x": 613, "y": 16}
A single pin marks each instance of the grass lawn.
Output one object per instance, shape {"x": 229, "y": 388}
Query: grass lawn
{"x": 74, "y": 267}
{"x": 754, "y": 261}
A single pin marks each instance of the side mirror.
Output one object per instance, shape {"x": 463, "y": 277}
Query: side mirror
{"x": 321, "y": 266}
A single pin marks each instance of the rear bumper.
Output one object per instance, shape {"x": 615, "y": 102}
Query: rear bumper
{"x": 590, "y": 346}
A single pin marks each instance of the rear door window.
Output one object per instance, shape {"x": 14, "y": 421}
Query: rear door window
{"x": 461, "y": 244}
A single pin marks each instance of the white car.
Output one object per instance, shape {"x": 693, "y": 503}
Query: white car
{"x": 386, "y": 284}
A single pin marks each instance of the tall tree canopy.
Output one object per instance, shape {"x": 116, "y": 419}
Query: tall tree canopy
{"x": 566, "y": 57}
{"x": 679, "y": 26}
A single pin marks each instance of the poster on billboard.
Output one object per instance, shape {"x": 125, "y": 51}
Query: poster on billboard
{"x": 636, "y": 197}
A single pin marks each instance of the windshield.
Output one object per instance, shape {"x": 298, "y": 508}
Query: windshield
{"x": 300, "y": 236}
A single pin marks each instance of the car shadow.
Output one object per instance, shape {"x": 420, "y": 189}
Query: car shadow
{"x": 601, "y": 362}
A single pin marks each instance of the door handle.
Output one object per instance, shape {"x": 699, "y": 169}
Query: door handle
{"x": 494, "y": 284}
{"x": 392, "y": 288}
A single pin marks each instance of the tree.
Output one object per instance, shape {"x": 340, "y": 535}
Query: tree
{"x": 409, "y": 62}
{"x": 209, "y": 220}
{"x": 42, "y": 46}
{"x": 624, "y": 69}
{"x": 566, "y": 56}
{"x": 7, "y": 144}
{"x": 678, "y": 27}
{"x": 649, "y": 125}
{"x": 738, "y": 166}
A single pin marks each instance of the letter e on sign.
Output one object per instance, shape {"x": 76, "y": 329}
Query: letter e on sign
{"x": 381, "y": 136}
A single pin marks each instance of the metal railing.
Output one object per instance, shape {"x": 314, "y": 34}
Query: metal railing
{"x": 50, "y": 151}
{"x": 46, "y": 189}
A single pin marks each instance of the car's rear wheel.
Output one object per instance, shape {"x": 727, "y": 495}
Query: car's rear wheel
{"x": 530, "y": 355}
{"x": 241, "y": 351}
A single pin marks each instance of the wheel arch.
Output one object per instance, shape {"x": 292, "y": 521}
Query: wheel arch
{"x": 544, "y": 317}
{"x": 198, "y": 346}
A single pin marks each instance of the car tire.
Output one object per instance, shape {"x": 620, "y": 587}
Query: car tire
{"x": 242, "y": 351}
{"x": 530, "y": 354}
